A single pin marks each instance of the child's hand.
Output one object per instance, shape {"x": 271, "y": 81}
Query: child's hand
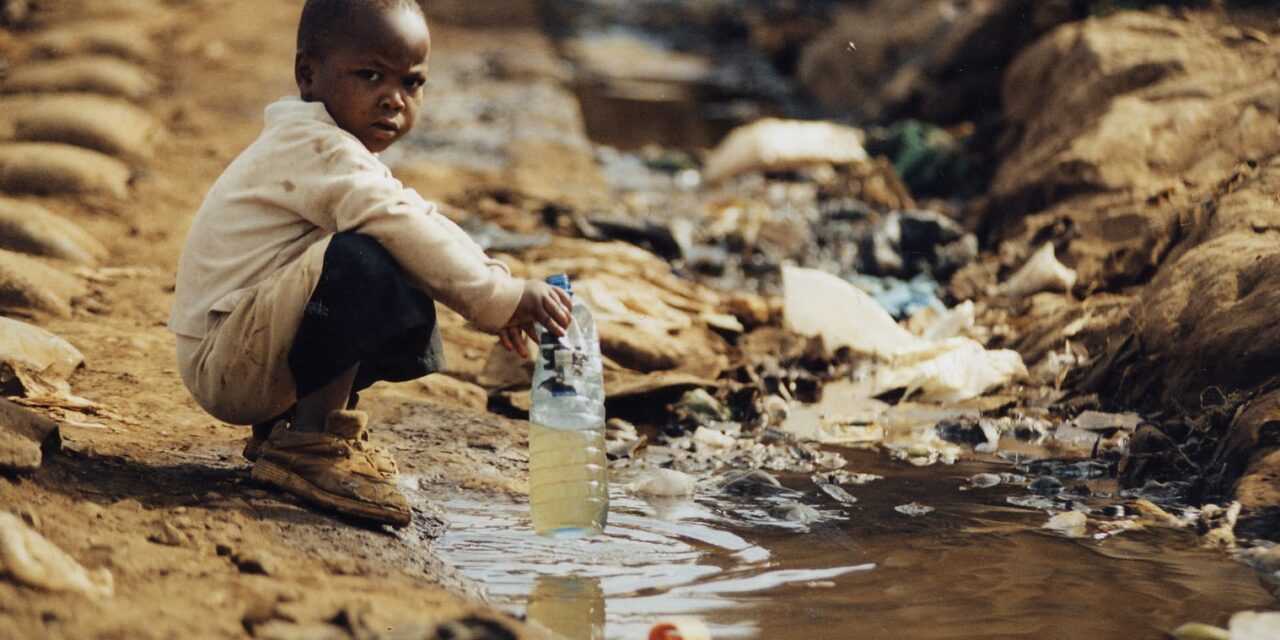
{"x": 541, "y": 303}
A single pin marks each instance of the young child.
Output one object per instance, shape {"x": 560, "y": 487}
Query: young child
{"x": 309, "y": 272}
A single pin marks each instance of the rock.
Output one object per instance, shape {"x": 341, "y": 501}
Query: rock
{"x": 28, "y": 558}
{"x": 256, "y": 562}
{"x": 29, "y": 228}
{"x": 25, "y": 438}
{"x": 935, "y": 59}
{"x": 168, "y": 534}
{"x": 34, "y": 362}
{"x": 1072, "y": 524}
{"x": 1248, "y": 460}
{"x": 105, "y": 75}
{"x": 53, "y": 169}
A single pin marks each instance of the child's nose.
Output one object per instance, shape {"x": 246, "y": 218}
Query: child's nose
{"x": 392, "y": 101}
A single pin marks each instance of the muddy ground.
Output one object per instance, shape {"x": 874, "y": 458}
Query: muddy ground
{"x": 241, "y": 559}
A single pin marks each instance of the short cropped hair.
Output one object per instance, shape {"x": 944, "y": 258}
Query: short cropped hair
{"x": 323, "y": 20}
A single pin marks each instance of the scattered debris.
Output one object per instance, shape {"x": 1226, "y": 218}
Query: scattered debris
{"x": 34, "y": 362}
{"x": 914, "y": 510}
{"x": 771, "y": 145}
{"x": 1072, "y": 524}
{"x": 664, "y": 483}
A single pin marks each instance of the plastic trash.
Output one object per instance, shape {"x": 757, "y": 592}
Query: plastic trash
{"x": 914, "y": 510}
{"x": 568, "y": 471}
{"x": 664, "y": 483}
{"x": 1253, "y": 625}
{"x": 951, "y": 370}
{"x": 1042, "y": 272}
{"x": 772, "y": 144}
{"x": 35, "y": 362}
{"x": 30, "y": 559}
{"x": 1072, "y": 524}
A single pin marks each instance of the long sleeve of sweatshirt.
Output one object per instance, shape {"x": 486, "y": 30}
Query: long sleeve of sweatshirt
{"x": 305, "y": 178}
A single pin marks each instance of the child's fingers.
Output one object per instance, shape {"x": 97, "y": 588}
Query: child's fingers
{"x": 556, "y": 313}
{"x": 528, "y": 330}
{"x": 513, "y": 340}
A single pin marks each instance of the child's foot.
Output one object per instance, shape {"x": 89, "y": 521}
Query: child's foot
{"x": 337, "y": 469}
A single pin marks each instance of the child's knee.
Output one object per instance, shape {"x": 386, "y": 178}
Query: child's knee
{"x": 361, "y": 254}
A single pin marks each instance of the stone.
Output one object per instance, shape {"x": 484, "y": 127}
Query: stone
{"x": 25, "y": 438}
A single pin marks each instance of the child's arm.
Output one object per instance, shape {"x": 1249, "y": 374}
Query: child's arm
{"x": 345, "y": 189}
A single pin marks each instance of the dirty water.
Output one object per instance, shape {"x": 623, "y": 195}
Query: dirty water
{"x": 975, "y": 567}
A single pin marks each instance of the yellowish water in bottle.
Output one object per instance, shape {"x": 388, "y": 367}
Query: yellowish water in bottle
{"x": 568, "y": 481}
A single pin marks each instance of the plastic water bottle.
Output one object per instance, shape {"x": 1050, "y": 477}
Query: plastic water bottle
{"x": 568, "y": 473}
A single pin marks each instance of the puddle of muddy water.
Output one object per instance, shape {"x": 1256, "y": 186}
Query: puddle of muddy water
{"x": 975, "y": 567}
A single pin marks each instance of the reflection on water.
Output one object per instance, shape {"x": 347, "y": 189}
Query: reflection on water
{"x": 568, "y": 606}
{"x": 973, "y": 568}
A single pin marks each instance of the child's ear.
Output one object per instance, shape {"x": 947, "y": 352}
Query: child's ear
{"x": 304, "y": 74}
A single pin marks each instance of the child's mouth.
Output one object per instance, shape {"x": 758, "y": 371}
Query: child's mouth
{"x": 386, "y": 129}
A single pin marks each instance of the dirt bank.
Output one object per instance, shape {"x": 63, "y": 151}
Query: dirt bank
{"x": 155, "y": 491}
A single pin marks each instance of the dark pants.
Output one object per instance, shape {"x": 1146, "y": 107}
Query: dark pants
{"x": 363, "y": 311}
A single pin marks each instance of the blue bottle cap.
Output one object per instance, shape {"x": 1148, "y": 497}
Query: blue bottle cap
{"x": 560, "y": 280}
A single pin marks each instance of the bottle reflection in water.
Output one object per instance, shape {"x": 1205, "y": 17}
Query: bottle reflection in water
{"x": 571, "y": 608}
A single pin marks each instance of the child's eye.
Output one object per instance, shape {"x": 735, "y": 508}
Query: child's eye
{"x": 413, "y": 84}
{"x": 370, "y": 75}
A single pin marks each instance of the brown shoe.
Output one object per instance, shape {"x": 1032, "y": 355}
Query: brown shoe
{"x": 253, "y": 445}
{"x": 337, "y": 469}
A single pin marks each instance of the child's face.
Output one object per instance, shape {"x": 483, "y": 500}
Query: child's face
{"x": 371, "y": 82}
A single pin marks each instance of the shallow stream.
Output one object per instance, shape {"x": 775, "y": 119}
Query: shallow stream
{"x": 975, "y": 567}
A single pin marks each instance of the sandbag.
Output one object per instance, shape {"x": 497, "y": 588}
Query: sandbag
{"x": 34, "y": 362}
{"x": 109, "y": 125}
{"x": 122, "y": 38}
{"x": 49, "y": 168}
{"x": 28, "y": 285}
{"x": 30, "y": 228}
{"x": 94, "y": 74}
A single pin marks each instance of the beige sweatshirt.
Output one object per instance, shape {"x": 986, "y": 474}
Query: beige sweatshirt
{"x": 303, "y": 179}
